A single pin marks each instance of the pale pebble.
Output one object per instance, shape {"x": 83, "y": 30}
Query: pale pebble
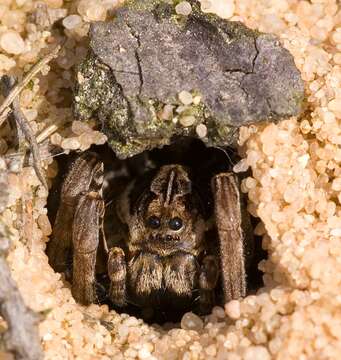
{"x": 187, "y": 121}
{"x": 167, "y": 112}
{"x": 72, "y": 21}
{"x": 80, "y": 127}
{"x": 197, "y": 100}
{"x": 191, "y": 321}
{"x": 241, "y": 166}
{"x": 12, "y": 42}
{"x": 185, "y": 97}
{"x": 92, "y": 10}
{"x": 225, "y": 8}
{"x": 232, "y": 309}
{"x": 183, "y": 8}
{"x": 201, "y": 130}
{"x": 56, "y": 139}
{"x": 70, "y": 143}
{"x": 6, "y": 63}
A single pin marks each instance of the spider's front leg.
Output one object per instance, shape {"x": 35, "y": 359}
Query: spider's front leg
{"x": 80, "y": 179}
{"x": 117, "y": 271}
{"x": 235, "y": 235}
{"x": 86, "y": 232}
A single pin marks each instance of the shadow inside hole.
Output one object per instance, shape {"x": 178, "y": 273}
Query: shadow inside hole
{"x": 203, "y": 161}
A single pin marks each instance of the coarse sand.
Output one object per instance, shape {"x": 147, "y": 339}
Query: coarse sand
{"x": 294, "y": 190}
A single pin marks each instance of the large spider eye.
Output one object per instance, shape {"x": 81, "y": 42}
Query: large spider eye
{"x": 175, "y": 223}
{"x": 153, "y": 222}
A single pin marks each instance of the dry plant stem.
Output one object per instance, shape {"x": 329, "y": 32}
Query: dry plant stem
{"x": 22, "y": 123}
{"x": 29, "y": 136}
{"x": 12, "y": 97}
{"x": 46, "y": 133}
{"x": 27, "y": 78}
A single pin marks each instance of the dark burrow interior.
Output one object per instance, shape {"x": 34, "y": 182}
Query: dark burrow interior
{"x": 192, "y": 153}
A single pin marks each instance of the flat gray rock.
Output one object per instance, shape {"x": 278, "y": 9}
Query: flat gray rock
{"x": 141, "y": 61}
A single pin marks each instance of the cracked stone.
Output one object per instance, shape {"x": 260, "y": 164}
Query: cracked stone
{"x": 140, "y": 62}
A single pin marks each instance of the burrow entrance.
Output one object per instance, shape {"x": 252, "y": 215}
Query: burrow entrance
{"x": 192, "y": 153}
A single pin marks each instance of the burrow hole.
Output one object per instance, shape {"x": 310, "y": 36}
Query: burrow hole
{"x": 188, "y": 152}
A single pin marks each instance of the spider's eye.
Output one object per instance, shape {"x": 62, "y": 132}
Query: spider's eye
{"x": 175, "y": 223}
{"x": 153, "y": 222}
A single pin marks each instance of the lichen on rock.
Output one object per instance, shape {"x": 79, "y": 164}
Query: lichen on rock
{"x": 140, "y": 62}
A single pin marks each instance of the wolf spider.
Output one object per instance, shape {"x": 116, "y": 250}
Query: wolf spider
{"x": 167, "y": 238}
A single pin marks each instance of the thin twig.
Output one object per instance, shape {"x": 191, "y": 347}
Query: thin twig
{"x": 23, "y": 124}
{"x": 27, "y": 78}
{"x": 43, "y": 135}
{"x": 51, "y": 156}
{"x": 30, "y": 138}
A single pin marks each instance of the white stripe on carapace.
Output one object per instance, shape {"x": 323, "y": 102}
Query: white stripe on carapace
{"x": 170, "y": 188}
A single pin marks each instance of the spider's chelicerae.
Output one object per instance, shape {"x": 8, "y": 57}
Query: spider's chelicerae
{"x": 168, "y": 238}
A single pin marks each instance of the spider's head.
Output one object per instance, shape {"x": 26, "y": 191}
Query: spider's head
{"x": 168, "y": 215}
